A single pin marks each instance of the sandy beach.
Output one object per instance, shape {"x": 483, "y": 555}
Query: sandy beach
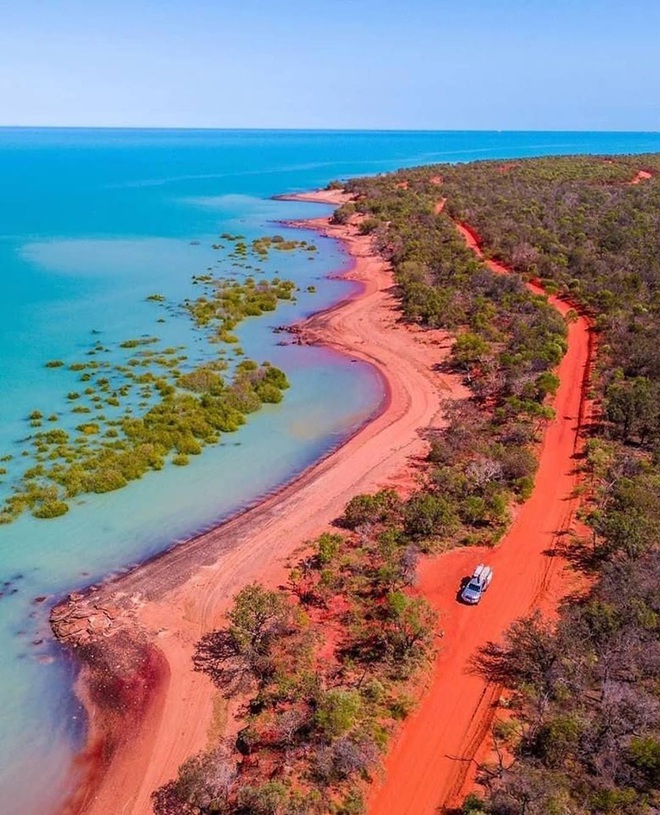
{"x": 148, "y": 711}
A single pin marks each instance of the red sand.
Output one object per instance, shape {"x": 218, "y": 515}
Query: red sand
{"x": 173, "y": 600}
{"x": 642, "y": 175}
{"x": 432, "y": 762}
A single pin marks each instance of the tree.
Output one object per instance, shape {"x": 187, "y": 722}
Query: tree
{"x": 381, "y": 507}
{"x": 529, "y": 656}
{"x": 470, "y": 349}
{"x": 347, "y": 756}
{"x": 518, "y": 462}
{"x": 629, "y": 522}
{"x": 327, "y": 548}
{"x": 474, "y": 509}
{"x": 632, "y": 406}
{"x": 337, "y": 712}
{"x": 426, "y": 515}
{"x": 547, "y": 384}
{"x": 343, "y": 214}
{"x": 409, "y": 627}
{"x": 204, "y": 782}
{"x": 644, "y": 753}
{"x": 257, "y": 619}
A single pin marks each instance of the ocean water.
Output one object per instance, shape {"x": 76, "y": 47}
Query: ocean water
{"x": 91, "y": 223}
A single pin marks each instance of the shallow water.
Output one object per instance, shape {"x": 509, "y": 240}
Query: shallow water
{"x": 91, "y": 223}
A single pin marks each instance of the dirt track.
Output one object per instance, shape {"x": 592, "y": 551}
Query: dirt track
{"x": 432, "y": 762}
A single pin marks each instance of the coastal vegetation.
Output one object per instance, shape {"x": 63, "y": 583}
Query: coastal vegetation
{"x": 326, "y": 665}
{"x": 581, "y": 729}
{"x": 581, "y": 732}
{"x": 508, "y": 341}
{"x": 580, "y": 227}
{"x": 152, "y": 407}
{"x": 230, "y": 302}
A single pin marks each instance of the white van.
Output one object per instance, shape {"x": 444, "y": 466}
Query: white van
{"x": 477, "y": 584}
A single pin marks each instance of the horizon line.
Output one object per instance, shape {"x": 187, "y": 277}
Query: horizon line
{"x": 318, "y": 129}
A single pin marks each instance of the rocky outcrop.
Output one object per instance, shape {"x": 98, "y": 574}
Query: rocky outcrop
{"x": 121, "y": 673}
{"x": 82, "y": 619}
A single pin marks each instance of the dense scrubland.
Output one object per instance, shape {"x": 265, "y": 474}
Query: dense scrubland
{"x": 583, "y": 732}
{"x": 325, "y": 666}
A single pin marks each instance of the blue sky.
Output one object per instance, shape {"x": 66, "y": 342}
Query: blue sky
{"x": 402, "y": 64}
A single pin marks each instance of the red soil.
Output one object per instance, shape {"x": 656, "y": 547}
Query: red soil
{"x": 432, "y": 763}
{"x": 642, "y": 175}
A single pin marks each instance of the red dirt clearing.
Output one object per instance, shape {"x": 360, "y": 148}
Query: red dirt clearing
{"x": 432, "y": 762}
{"x": 642, "y": 175}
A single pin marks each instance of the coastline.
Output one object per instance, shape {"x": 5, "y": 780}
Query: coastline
{"x": 154, "y": 614}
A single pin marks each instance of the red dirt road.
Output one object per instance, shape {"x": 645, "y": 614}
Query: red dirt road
{"x": 432, "y": 762}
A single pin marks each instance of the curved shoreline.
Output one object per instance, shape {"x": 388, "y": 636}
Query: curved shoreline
{"x": 163, "y": 606}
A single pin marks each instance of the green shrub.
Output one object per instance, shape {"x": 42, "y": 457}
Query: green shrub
{"x": 337, "y": 712}
{"x": 269, "y": 393}
{"x": 367, "y": 226}
{"x": 50, "y": 509}
{"x": 369, "y": 509}
{"x": 106, "y": 480}
{"x": 343, "y": 214}
{"x": 269, "y": 798}
{"x": 473, "y": 805}
{"x": 644, "y": 754}
{"x": 89, "y": 429}
{"x": 426, "y": 515}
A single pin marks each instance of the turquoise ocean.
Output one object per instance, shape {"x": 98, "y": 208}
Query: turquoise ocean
{"x": 91, "y": 223}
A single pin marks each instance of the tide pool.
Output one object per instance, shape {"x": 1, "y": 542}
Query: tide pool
{"x": 92, "y": 222}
